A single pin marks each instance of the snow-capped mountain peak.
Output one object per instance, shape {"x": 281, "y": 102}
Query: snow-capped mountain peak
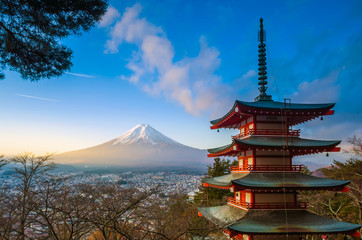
{"x": 143, "y": 133}
{"x": 142, "y": 146}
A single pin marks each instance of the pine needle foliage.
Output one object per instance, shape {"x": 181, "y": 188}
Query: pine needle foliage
{"x": 31, "y": 34}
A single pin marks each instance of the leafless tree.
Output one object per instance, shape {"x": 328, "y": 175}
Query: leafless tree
{"x": 3, "y": 161}
{"x": 173, "y": 218}
{"x": 113, "y": 214}
{"x": 42, "y": 206}
{"x": 29, "y": 170}
{"x": 356, "y": 144}
{"x": 8, "y": 212}
{"x": 60, "y": 210}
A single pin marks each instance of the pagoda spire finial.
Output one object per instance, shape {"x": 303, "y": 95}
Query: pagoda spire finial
{"x": 262, "y": 66}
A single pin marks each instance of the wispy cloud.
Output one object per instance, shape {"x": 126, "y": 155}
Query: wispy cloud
{"x": 191, "y": 81}
{"x": 324, "y": 89}
{"x": 109, "y": 17}
{"x": 80, "y": 75}
{"x": 247, "y": 85}
{"x": 38, "y": 98}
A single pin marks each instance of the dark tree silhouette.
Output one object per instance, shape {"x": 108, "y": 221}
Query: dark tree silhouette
{"x": 31, "y": 30}
{"x": 3, "y": 161}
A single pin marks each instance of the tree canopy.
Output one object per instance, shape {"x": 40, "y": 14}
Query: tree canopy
{"x": 340, "y": 206}
{"x": 210, "y": 196}
{"x": 31, "y": 30}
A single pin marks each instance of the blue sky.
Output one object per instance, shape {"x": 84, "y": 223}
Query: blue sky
{"x": 178, "y": 64}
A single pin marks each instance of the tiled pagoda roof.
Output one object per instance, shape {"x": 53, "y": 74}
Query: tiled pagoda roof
{"x": 279, "y": 105}
{"x": 254, "y": 142}
{"x": 225, "y": 180}
{"x": 271, "y": 181}
{"x": 222, "y": 216}
{"x": 296, "y": 112}
{"x": 274, "y": 221}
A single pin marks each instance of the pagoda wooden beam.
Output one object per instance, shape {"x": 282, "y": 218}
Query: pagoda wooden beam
{"x": 356, "y": 234}
{"x": 215, "y": 186}
{"x": 272, "y": 156}
{"x": 345, "y": 189}
{"x": 335, "y": 149}
{"x": 330, "y": 112}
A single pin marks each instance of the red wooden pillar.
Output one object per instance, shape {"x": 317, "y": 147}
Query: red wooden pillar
{"x": 254, "y": 157}
{"x": 254, "y": 122}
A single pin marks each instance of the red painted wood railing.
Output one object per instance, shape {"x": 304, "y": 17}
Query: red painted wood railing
{"x": 293, "y": 133}
{"x": 273, "y": 205}
{"x": 293, "y": 168}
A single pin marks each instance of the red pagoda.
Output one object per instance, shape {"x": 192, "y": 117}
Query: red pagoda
{"x": 265, "y": 183}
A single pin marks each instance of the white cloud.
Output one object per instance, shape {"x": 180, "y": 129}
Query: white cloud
{"x": 333, "y": 130}
{"x": 109, "y": 17}
{"x": 247, "y": 85}
{"x": 130, "y": 29}
{"x": 319, "y": 90}
{"x": 192, "y": 82}
{"x": 157, "y": 53}
{"x": 249, "y": 74}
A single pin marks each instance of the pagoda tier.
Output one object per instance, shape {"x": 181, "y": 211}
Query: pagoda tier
{"x": 295, "y": 113}
{"x": 274, "y": 181}
{"x": 295, "y": 145}
{"x": 258, "y": 223}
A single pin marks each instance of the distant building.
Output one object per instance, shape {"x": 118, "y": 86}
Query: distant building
{"x": 265, "y": 182}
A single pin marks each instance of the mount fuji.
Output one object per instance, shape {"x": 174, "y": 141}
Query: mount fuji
{"x": 141, "y": 146}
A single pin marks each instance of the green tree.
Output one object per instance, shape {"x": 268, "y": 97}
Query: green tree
{"x": 220, "y": 167}
{"x": 337, "y": 205}
{"x": 305, "y": 170}
{"x": 210, "y": 196}
{"x": 31, "y": 32}
{"x": 340, "y": 206}
{"x": 350, "y": 170}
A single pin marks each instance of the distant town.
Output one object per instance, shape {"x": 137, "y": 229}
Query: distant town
{"x": 167, "y": 181}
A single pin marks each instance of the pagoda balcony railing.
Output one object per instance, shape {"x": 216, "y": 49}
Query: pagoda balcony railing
{"x": 262, "y": 168}
{"x": 268, "y": 132}
{"x": 267, "y": 205}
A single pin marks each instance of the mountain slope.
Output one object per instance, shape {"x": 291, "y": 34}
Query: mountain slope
{"x": 141, "y": 146}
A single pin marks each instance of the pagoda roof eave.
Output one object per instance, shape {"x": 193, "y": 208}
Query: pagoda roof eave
{"x": 273, "y": 108}
{"x": 294, "y": 222}
{"x": 280, "y": 105}
{"x": 274, "y": 181}
{"x": 224, "y": 150}
{"x": 289, "y": 181}
{"x": 273, "y": 221}
{"x": 222, "y": 216}
{"x": 224, "y": 181}
{"x": 216, "y": 121}
{"x": 254, "y": 142}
